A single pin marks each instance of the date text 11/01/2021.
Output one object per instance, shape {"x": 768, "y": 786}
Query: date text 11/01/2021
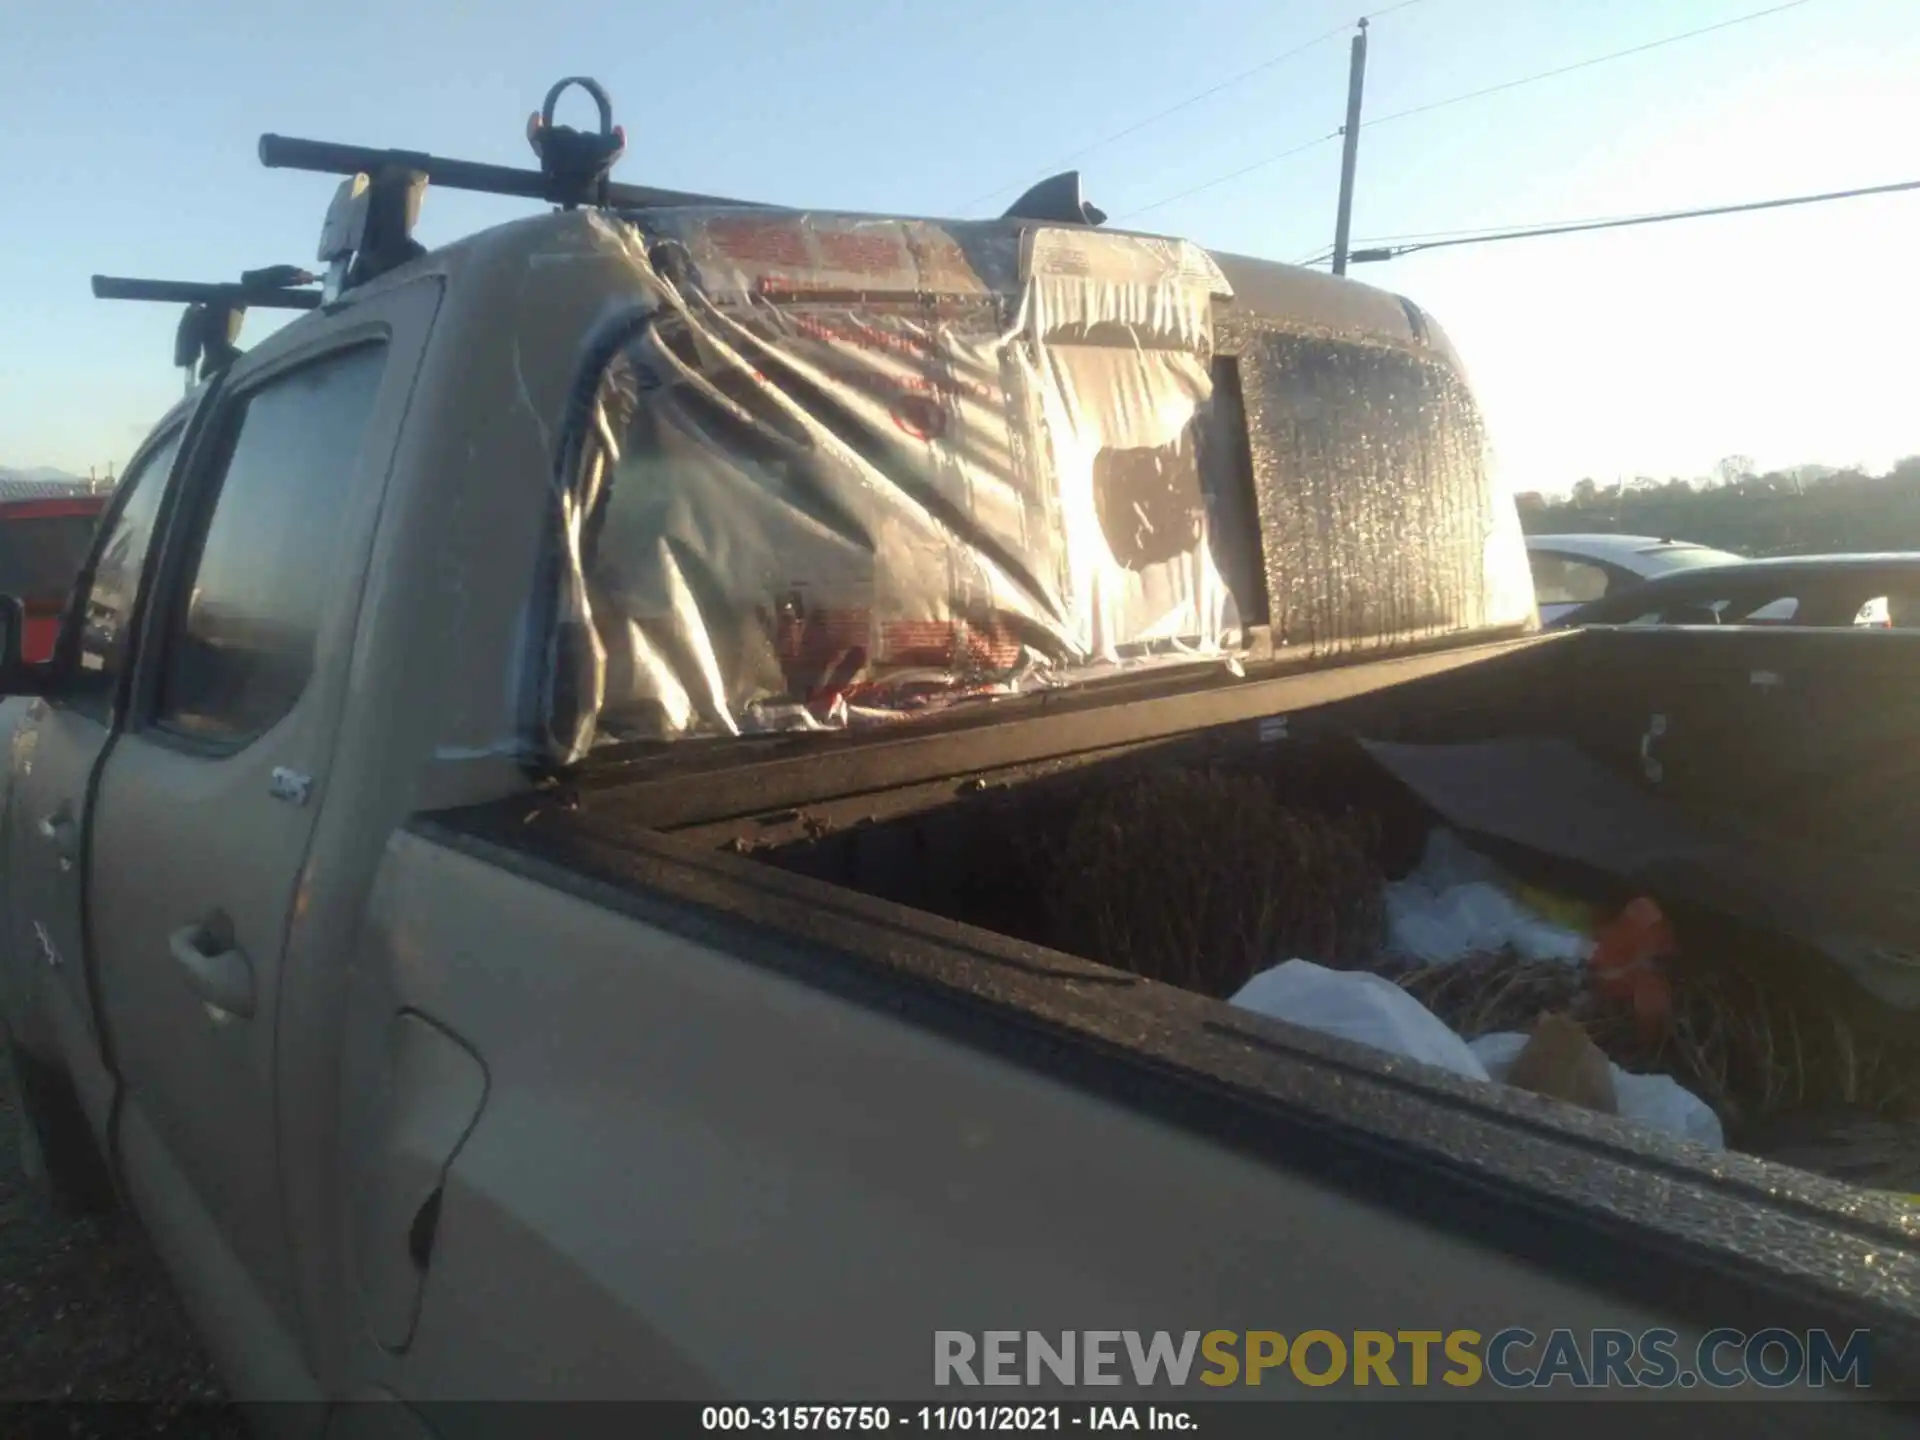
{"x": 944, "y": 1418}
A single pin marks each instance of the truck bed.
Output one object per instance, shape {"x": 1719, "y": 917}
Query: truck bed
{"x": 885, "y": 887}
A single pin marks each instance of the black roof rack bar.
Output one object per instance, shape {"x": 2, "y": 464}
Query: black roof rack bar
{"x": 189, "y": 292}
{"x": 205, "y": 341}
{"x": 324, "y": 157}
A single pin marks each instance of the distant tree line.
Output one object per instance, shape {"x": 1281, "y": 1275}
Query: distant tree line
{"x": 1813, "y": 509}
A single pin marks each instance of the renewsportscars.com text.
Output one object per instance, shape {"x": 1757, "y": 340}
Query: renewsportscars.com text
{"x": 1510, "y": 1359}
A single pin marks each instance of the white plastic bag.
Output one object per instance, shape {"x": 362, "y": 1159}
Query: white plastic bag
{"x": 1498, "y": 1052}
{"x": 1658, "y": 1102}
{"x": 1356, "y": 1006}
{"x": 1454, "y": 905}
{"x": 1662, "y": 1103}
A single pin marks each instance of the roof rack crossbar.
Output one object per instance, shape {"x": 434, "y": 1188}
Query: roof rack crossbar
{"x": 325, "y": 157}
{"x": 206, "y": 338}
{"x": 191, "y": 292}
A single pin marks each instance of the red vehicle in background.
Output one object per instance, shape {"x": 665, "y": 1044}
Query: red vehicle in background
{"x": 43, "y": 544}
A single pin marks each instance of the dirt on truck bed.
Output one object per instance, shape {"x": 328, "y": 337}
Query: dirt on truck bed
{"x": 93, "y": 1340}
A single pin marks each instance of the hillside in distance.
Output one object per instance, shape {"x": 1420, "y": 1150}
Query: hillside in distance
{"x": 1812, "y": 510}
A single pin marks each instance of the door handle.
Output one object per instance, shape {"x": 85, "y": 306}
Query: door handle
{"x": 59, "y": 830}
{"x": 215, "y": 969}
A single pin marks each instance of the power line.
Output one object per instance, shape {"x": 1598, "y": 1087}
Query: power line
{"x": 1189, "y": 102}
{"x": 1394, "y": 251}
{"x": 1155, "y": 119}
{"x": 1585, "y": 64}
{"x": 1232, "y": 175}
{"x": 1466, "y": 230}
{"x": 1475, "y": 95}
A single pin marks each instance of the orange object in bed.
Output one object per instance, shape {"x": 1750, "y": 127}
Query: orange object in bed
{"x": 1626, "y": 963}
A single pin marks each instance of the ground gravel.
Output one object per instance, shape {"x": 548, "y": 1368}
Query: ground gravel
{"x": 93, "y": 1340}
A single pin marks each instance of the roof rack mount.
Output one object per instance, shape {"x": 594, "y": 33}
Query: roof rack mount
{"x": 573, "y": 169}
{"x": 369, "y": 227}
{"x": 205, "y": 340}
{"x": 324, "y": 157}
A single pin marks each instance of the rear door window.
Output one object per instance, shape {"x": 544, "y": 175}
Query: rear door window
{"x": 1766, "y": 607}
{"x": 243, "y": 645}
{"x": 1694, "y": 612}
{"x": 1565, "y": 580}
{"x": 106, "y": 610}
{"x": 1779, "y": 610}
{"x": 1903, "y": 610}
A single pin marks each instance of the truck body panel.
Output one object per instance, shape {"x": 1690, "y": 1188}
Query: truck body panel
{"x": 691, "y": 1160}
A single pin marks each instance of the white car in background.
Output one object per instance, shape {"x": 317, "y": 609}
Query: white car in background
{"x": 1574, "y": 570}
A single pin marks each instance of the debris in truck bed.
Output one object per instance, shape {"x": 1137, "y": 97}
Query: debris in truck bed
{"x": 1557, "y": 1060}
{"x": 1560, "y": 1060}
{"x": 1771, "y": 1040}
{"x": 1758, "y": 1033}
{"x": 1658, "y": 1102}
{"x": 1456, "y": 904}
{"x": 1496, "y": 992}
{"x": 1762, "y": 1040}
{"x": 1206, "y": 874}
{"x": 1752, "y": 1042}
{"x": 1850, "y": 1145}
{"x": 1552, "y": 799}
{"x": 1364, "y": 1008}
{"x": 1201, "y": 877}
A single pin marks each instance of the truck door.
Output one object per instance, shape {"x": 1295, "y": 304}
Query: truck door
{"x": 207, "y": 802}
{"x": 56, "y": 747}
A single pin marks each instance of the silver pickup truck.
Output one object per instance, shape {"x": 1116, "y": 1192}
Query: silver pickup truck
{"x": 529, "y": 864}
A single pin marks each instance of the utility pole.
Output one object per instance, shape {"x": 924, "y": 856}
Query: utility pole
{"x": 1349, "y": 149}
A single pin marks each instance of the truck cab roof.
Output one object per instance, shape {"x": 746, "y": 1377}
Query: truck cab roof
{"x": 1303, "y": 297}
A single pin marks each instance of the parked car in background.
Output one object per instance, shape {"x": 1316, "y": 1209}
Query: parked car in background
{"x": 42, "y": 544}
{"x": 1821, "y": 591}
{"x": 1574, "y": 570}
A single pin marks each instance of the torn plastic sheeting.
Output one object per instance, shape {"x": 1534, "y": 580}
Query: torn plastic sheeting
{"x": 853, "y": 469}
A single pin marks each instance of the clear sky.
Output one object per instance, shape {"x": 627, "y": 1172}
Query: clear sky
{"x": 129, "y": 132}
